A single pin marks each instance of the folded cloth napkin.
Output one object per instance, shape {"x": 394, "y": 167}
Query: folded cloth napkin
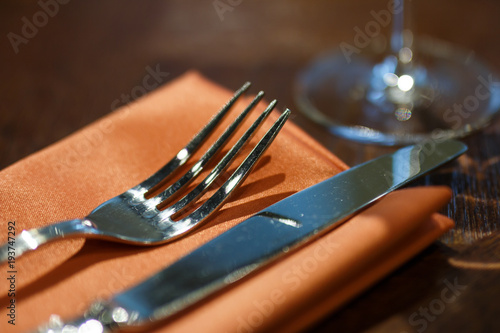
{"x": 69, "y": 178}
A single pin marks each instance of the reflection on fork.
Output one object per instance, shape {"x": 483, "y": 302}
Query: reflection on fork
{"x": 139, "y": 218}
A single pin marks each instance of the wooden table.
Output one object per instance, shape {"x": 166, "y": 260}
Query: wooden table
{"x": 82, "y": 55}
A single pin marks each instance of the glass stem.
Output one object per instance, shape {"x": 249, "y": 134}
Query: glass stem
{"x": 401, "y": 36}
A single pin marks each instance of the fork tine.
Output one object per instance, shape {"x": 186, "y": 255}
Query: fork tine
{"x": 222, "y": 194}
{"x": 220, "y": 167}
{"x": 185, "y": 153}
{"x": 219, "y": 143}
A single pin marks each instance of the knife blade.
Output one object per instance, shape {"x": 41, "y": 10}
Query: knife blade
{"x": 262, "y": 238}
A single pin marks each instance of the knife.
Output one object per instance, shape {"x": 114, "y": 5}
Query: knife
{"x": 261, "y": 239}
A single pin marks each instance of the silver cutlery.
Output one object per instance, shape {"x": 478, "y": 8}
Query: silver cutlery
{"x": 134, "y": 217}
{"x": 262, "y": 238}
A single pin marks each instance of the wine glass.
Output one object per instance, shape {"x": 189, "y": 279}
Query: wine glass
{"x": 409, "y": 91}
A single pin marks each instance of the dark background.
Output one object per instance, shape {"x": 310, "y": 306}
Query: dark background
{"x": 69, "y": 72}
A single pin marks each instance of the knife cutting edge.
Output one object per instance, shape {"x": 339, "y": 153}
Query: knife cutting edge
{"x": 261, "y": 239}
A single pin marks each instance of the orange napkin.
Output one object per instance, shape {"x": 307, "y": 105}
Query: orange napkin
{"x": 69, "y": 178}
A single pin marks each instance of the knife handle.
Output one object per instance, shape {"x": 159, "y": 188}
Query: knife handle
{"x": 101, "y": 317}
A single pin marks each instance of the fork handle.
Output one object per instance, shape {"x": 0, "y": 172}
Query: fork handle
{"x": 29, "y": 240}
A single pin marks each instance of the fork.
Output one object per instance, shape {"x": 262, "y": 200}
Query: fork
{"x": 136, "y": 217}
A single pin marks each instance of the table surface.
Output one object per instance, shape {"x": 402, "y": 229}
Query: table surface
{"x": 66, "y": 73}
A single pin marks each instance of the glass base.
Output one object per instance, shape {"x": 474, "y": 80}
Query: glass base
{"x": 445, "y": 93}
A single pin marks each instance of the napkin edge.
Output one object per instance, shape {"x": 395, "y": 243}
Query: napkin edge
{"x": 412, "y": 245}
